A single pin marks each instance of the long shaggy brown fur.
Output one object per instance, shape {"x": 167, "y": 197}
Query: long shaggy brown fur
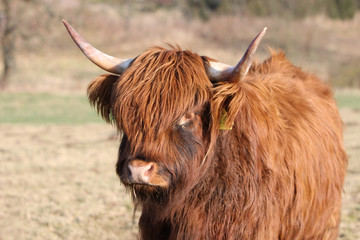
{"x": 277, "y": 174}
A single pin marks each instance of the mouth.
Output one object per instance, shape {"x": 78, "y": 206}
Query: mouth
{"x": 144, "y": 193}
{"x": 127, "y": 181}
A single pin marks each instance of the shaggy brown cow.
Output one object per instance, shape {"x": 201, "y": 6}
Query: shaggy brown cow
{"x": 211, "y": 151}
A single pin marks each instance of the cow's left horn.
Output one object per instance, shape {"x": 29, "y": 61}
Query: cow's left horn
{"x": 104, "y": 61}
{"x": 217, "y": 71}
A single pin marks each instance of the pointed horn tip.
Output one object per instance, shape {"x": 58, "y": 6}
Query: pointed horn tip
{"x": 64, "y": 22}
{"x": 67, "y": 25}
{"x": 263, "y": 31}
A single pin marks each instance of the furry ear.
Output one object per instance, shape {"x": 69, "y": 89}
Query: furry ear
{"x": 225, "y": 104}
{"x": 99, "y": 93}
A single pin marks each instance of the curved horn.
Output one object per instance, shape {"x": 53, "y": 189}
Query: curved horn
{"x": 104, "y": 61}
{"x": 217, "y": 71}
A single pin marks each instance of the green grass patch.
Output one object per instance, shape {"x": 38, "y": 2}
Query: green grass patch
{"x": 46, "y": 109}
{"x": 347, "y": 100}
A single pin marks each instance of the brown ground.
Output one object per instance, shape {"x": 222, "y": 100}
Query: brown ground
{"x": 59, "y": 182}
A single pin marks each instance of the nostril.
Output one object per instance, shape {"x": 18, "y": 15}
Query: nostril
{"x": 149, "y": 170}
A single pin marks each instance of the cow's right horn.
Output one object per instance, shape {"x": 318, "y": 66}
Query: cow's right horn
{"x": 218, "y": 72}
{"x": 104, "y": 61}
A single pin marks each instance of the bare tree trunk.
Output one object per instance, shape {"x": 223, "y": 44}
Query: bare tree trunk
{"x": 7, "y": 44}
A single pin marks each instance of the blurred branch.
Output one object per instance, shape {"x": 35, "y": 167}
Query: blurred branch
{"x": 7, "y": 43}
{"x": 9, "y": 22}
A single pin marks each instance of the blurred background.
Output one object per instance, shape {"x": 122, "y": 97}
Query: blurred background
{"x": 57, "y": 157}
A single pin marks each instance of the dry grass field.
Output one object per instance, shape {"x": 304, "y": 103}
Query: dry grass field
{"x": 58, "y": 181}
{"x": 57, "y": 158}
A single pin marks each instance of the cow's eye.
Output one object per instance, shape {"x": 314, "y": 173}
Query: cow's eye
{"x": 186, "y": 125}
{"x": 186, "y": 122}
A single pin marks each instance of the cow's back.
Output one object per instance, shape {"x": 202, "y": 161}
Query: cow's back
{"x": 298, "y": 131}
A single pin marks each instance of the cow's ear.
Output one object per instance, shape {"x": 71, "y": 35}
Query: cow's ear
{"x": 99, "y": 94}
{"x": 225, "y": 104}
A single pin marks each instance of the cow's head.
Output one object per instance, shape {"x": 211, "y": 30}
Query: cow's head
{"x": 168, "y": 103}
